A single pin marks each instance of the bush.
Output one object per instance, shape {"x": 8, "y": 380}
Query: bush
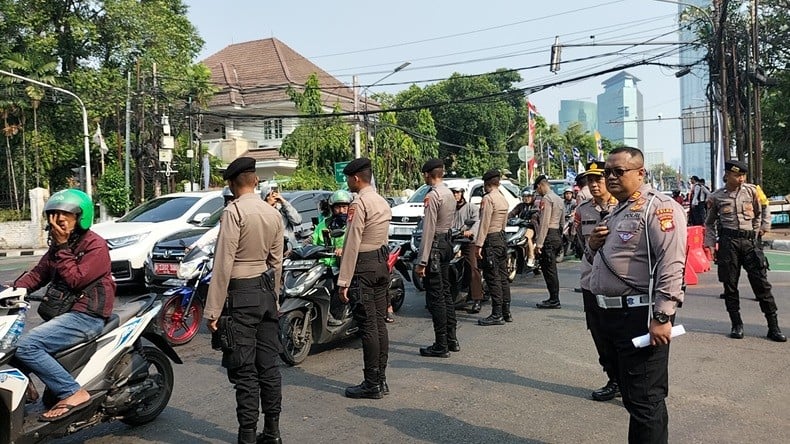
{"x": 14, "y": 215}
{"x": 111, "y": 190}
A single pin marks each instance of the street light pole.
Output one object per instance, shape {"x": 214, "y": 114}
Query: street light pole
{"x": 86, "y": 135}
{"x": 365, "y": 91}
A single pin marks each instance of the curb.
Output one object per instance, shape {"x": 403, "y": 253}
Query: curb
{"x": 779, "y": 244}
{"x": 17, "y": 253}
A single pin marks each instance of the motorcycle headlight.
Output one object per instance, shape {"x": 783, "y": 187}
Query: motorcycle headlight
{"x": 188, "y": 269}
{"x": 124, "y": 241}
{"x": 305, "y": 281}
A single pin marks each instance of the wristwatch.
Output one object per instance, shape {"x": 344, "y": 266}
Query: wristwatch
{"x": 661, "y": 317}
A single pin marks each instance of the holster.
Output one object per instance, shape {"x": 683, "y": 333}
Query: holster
{"x": 223, "y": 339}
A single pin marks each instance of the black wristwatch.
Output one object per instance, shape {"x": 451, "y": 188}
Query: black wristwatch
{"x": 661, "y": 317}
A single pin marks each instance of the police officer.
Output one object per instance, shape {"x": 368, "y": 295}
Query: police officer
{"x": 492, "y": 249}
{"x": 736, "y": 215}
{"x": 434, "y": 260}
{"x": 466, "y": 212}
{"x": 645, "y": 232}
{"x": 364, "y": 276}
{"x": 588, "y": 215}
{"x": 249, "y": 246}
{"x": 549, "y": 239}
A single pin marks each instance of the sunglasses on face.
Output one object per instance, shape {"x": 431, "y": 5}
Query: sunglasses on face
{"x": 617, "y": 172}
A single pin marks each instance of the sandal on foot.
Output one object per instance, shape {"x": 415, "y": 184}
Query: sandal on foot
{"x": 69, "y": 409}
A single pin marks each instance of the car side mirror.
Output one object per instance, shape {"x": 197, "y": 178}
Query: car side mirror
{"x": 200, "y": 217}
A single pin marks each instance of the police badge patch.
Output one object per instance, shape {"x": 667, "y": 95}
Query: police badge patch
{"x": 666, "y": 218}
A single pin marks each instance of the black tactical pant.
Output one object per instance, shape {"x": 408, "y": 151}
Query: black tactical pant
{"x": 735, "y": 252}
{"x": 642, "y": 372}
{"x": 437, "y": 287}
{"x": 252, "y": 366}
{"x": 607, "y": 355}
{"x": 548, "y": 262}
{"x": 495, "y": 271}
{"x": 369, "y": 288}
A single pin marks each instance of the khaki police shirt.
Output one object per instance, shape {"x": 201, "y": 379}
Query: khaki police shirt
{"x": 439, "y": 211}
{"x": 369, "y": 217}
{"x": 736, "y": 210}
{"x": 588, "y": 216}
{"x": 626, "y": 251}
{"x": 493, "y": 215}
{"x": 552, "y": 208}
{"x": 250, "y": 241}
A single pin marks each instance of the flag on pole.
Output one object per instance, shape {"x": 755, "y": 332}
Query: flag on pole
{"x": 532, "y": 112}
{"x": 590, "y": 157}
{"x": 598, "y": 145}
{"x": 564, "y": 157}
{"x": 576, "y": 153}
{"x": 98, "y": 139}
{"x": 550, "y": 153}
{"x": 580, "y": 167}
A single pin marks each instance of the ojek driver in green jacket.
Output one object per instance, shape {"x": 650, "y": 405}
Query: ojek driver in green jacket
{"x": 338, "y": 202}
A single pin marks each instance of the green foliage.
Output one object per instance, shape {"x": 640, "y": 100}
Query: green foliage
{"x": 14, "y": 215}
{"x": 111, "y": 191}
{"x": 307, "y": 179}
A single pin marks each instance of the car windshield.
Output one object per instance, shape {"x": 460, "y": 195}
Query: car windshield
{"x": 558, "y": 187}
{"x": 160, "y": 209}
{"x": 419, "y": 195}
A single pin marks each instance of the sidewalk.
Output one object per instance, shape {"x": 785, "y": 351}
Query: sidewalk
{"x": 778, "y": 239}
{"x": 23, "y": 252}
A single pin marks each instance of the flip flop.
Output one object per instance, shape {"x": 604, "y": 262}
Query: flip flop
{"x": 69, "y": 410}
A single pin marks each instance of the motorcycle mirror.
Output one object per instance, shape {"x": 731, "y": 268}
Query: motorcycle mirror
{"x": 469, "y": 222}
{"x": 314, "y": 220}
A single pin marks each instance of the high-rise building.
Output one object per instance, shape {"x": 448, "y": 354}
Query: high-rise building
{"x": 620, "y": 111}
{"x": 653, "y": 158}
{"x": 583, "y": 112}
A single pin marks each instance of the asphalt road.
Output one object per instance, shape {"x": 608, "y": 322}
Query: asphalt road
{"x": 524, "y": 382}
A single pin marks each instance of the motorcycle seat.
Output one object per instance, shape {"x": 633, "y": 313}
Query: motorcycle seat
{"x": 129, "y": 310}
{"x": 109, "y": 326}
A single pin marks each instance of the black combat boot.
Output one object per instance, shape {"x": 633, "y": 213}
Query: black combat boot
{"x": 438, "y": 349}
{"x": 774, "y": 333}
{"x": 271, "y": 430}
{"x": 246, "y": 436}
{"x": 452, "y": 342}
{"x": 607, "y": 392}
{"x": 385, "y": 389}
{"x": 506, "y": 316}
{"x": 475, "y": 308}
{"x": 549, "y": 303}
{"x": 737, "y": 325}
{"x": 494, "y": 319}
{"x": 370, "y": 388}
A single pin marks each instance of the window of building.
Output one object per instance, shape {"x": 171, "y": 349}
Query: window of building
{"x": 273, "y": 129}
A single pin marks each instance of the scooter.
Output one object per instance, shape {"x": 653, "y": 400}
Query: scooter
{"x": 182, "y": 311}
{"x": 516, "y": 233}
{"x": 127, "y": 380}
{"x": 567, "y": 248}
{"x": 396, "y": 261}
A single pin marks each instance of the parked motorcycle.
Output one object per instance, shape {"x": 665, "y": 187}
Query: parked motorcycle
{"x": 516, "y": 234}
{"x": 567, "y": 239}
{"x": 182, "y": 310}
{"x": 127, "y": 380}
{"x": 397, "y": 261}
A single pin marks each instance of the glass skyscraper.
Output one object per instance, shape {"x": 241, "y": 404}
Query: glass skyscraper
{"x": 620, "y": 111}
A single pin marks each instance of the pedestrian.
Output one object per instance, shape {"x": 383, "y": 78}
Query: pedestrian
{"x": 699, "y": 194}
{"x": 243, "y": 290}
{"x": 549, "y": 239}
{"x": 364, "y": 276}
{"x": 588, "y": 215}
{"x": 736, "y": 215}
{"x": 434, "y": 256}
{"x": 491, "y": 247}
{"x": 464, "y": 212}
{"x": 637, "y": 255}
{"x": 291, "y": 217}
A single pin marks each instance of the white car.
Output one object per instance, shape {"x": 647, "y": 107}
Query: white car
{"x": 406, "y": 216}
{"x": 132, "y": 237}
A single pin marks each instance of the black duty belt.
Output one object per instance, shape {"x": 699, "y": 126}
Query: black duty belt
{"x": 378, "y": 253}
{"x": 741, "y": 234}
{"x": 555, "y": 229}
{"x": 237, "y": 284}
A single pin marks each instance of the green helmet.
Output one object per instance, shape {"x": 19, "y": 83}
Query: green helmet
{"x": 340, "y": 197}
{"x": 75, "y": 202}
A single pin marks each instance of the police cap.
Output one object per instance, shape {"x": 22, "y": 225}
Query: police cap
{"x": 357, "y": 165}
{"x": 538, "y": 180}
{"x": 736, "y": 166}
{"x": 594, "y": 168}
{"x": 238, "y": 166}
{"x": 490, "y": 174}
{"x": 432, "y": 164}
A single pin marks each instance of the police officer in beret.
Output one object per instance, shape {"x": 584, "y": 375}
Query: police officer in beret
{"x": 364, "y": 276}
{"x": 548, "y": 240}
{"x": 492, "y": 249}
{"x": 249, "y": 247}
{"x": 737, "y": 217}
{"x": 434, "y": 256}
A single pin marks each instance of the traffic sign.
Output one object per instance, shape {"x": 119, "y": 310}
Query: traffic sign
{"x": 526, "y": 153}
{"x": 339, "y": 176}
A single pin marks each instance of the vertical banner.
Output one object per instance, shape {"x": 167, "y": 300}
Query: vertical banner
{"x": 598, "y": 145}
{"x": 531, "y": 163}
{"x": 718, "y": 174}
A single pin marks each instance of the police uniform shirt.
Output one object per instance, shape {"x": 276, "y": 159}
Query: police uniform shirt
{"x": 625, "y": 250}
{"x": 367, "y": 230}
{"x": 587, "y": 217}
{"x": 439, "y": 212}
{"x": 551, "y": 210}
{"x": 250, "y": 242}
{"x": 493, "y": 215}
{"x": 736, "y": 210}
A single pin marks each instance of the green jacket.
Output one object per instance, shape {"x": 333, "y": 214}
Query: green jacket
{"x": 318, "y": 239}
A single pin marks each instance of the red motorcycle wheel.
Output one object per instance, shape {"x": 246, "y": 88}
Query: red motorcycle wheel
{"x": 179, "y": 326}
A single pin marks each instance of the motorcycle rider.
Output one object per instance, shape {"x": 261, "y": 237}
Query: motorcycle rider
{"x": 527, "y": 210}
{"x": 464, "y": 212}
{"x": 78, "y": 260}
{"x": 338, "y": 203}
{"x": 291, "y": 217}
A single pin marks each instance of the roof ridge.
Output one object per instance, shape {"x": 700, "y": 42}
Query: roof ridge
{"x": 283, "y": 64}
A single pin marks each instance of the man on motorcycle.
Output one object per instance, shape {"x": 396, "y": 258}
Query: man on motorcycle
{"x": 338, "y": 202}
{"x": 527, "y": 210}
{"x": 78, "y": 261}
{"x": 463, "y": 213}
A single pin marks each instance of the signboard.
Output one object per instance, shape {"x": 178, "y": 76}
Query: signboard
{"x": 525, "y": 153}
{"x": 339, "y": 176}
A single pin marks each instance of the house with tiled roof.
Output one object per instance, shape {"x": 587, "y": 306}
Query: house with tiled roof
{"x": 251, "y": 113}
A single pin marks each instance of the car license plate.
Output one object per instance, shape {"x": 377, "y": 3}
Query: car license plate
{"x": 402, "y": 230}
{"x": 168, "y": 268}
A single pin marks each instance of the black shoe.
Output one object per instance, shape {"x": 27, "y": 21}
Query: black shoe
{"x": 434, "y": 351}
{"x": 736, "y": 332}
{"x": 385, "y": 389}
{"x": 776, "y": 336}
{"x": 271, "y": 431}
{"x": 364, "y": 390}
{"x": 577, "y": 290}
{"x": 491, "y": 320}
{"x": 475, "y": 308}
{"x": 453, "y": 345}
{"x": 507, "y": 317}
{"x": 607, "y": 392}
{"x": 549, "y": 304}
{"x": 246, "y": 436}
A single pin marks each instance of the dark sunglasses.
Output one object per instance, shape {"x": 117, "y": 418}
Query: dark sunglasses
{"x": 617, "y": 172}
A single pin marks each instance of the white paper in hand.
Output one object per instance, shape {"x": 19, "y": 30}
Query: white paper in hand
{"x": 644, "y": 340}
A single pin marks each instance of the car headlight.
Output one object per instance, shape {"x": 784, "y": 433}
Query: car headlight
{"x": 123, "y": 241}
{"x": 305, "y": 281}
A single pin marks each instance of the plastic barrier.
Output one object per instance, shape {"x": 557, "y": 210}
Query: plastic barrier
{"x": 690, "y": 278}
{"x": 696, "y": 258}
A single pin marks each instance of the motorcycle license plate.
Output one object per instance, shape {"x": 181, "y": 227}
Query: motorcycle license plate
{"x": 289, "y": 264}
{"x": 167, "y": 268}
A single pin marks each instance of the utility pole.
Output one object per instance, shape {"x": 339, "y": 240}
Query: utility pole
{"x": 154, "y": 138}
{"x": 355, "y": 85}
{"x": 757, "y": 139}
{"x": 128, "y": 138}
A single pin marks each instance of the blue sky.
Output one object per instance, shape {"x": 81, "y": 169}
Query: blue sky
{"x": 371, "y": 38}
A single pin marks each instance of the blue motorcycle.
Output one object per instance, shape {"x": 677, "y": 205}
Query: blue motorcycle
{"x": 182, "y": 310}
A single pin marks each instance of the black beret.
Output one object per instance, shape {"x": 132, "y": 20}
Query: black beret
{"x": 432, "y": 164}
{"x": 490, "y": 174}
{"x": 736, "y": 166}
{"x": 357, "y": 165}
{"x": 238, "y": 166}
{"x": 538, "y": 180}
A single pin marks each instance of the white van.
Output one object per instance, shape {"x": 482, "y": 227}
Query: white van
{"x": 406, "y": 216}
